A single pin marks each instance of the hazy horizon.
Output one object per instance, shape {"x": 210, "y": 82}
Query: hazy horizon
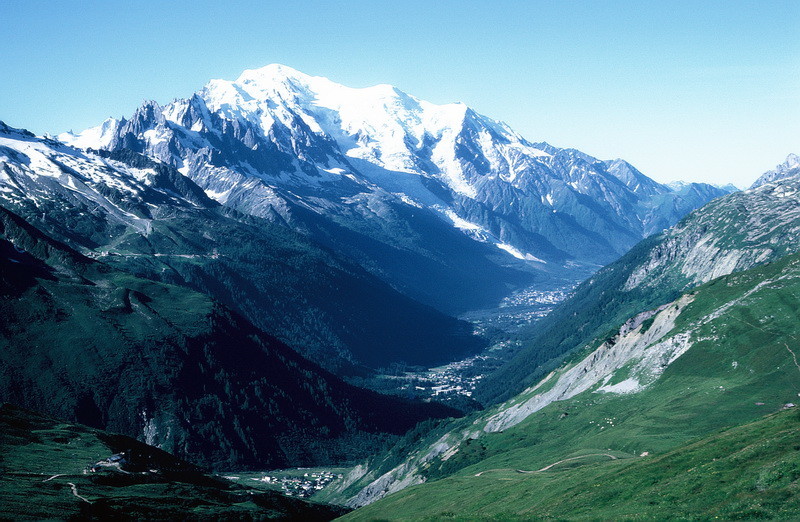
{"x": 682, "y": 91}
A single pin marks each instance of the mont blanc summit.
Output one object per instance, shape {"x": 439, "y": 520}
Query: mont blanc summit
{"x": 380, "y": 174}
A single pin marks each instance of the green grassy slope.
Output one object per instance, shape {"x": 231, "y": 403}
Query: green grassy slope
{"x": 82, "y": 341}
{"x": 742, "y": 332}
{"x": 746, "y": 472}
{"x": 43, "y": 476}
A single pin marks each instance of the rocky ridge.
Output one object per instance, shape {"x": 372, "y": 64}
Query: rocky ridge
{"x": 788, "y": 169}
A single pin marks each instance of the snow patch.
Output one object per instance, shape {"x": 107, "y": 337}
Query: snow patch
{"x": 519, "y": 255}
{"x": 463, "y": 224}
{"x": 94, "y": 137}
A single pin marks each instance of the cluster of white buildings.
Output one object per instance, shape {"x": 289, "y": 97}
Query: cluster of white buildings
{"x": 305, "y": 486}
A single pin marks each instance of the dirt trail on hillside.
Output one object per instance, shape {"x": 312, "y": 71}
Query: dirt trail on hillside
{"x": 612, "y": 457}
{"x": 75, "y": 492}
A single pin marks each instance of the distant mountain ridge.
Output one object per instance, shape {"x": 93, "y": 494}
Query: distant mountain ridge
{"x": 379, "y": 175}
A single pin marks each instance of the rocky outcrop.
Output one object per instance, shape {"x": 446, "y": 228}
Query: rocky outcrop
{"x": 788, "y": 169}
{"x": 646, "y": 349}
{"x": 728, "y": 235}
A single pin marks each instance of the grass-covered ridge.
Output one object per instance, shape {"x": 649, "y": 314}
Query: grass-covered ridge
{"x": 746, "y": 472}
{"x": 43, "y": 475}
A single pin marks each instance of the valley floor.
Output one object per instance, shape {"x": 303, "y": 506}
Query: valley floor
{"x": 454, "y": 383}
{"x": 523, "y": 306}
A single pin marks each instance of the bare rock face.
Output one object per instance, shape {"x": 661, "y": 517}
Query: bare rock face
{"x": 728, "y": 235}
{"x": 645, "y": 349}
{"x": 788, "y": 169}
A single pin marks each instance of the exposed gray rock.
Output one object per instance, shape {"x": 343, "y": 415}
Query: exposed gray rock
{"x": 788, "y": 169}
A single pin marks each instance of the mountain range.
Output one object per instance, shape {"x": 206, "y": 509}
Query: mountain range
{"x": 207, "y": 275}
{"x": 269, "y": 159}
{"x": 438, "y": 200}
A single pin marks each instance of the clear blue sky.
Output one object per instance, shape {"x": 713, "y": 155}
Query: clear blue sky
{"x": 695, "y": 90}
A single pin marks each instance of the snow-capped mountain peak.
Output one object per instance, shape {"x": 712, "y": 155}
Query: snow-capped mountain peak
{"x": 379, "y": 124}
{"x": 271, "y": 73}
{"x": 276, "y": 136}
